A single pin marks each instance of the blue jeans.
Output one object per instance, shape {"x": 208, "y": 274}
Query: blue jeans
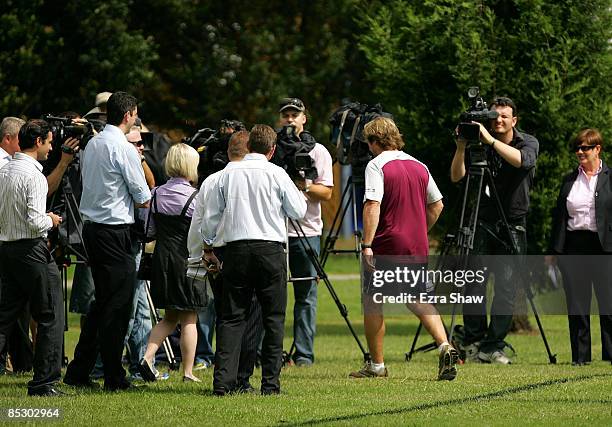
{"x": 206, "y": 330}
{"x": 140, "y": 324}
{"x": 305, "y": 294}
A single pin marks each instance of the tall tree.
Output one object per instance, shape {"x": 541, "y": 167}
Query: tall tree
{"x": 57, "y": 55}
{"x": 552, "y": 58}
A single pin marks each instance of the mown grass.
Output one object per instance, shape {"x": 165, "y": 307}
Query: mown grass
{"x": 529, "y": 392}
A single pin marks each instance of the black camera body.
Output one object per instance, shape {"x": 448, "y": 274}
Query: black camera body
{"x": 292, "y": 153}
{"x": 212, "y": 144}
{"x": 63, "y": 128}
{"x": 477, "y": 112}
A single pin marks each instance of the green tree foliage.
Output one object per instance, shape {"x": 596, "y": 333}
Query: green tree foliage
{"x": 191, "y": 63}
{"x": 224, "y": 60}
{"x": 56, "y": 55}
{"x": 552, "y": 58}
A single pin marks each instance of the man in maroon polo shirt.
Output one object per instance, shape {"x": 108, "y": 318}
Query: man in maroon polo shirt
{"x": 402, "y": 202}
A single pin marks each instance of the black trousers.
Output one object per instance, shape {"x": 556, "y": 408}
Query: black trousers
{"x": 19, "y": 344}
{"x": 251, "y": 267}
{"x": 113, "y": 268}
{"x": 253, "y": 330}
{"x": 29, "y": 274}
{"x": 506, "y": 271}
{"x": 581, "y": 274}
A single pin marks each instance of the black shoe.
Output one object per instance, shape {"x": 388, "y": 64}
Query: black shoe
{"x": 81, "y": 383}
{"x": 49, "y": 391}
{"x": 270, "y": 391}
{"x": 246, "y": 388}
{"x": 220, "y": 392}
{"x": 122, "y": 386}
{"x": 148, "y": 372}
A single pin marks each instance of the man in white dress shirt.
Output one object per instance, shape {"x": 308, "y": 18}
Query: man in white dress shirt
{"x": 29, "y": 273}
{"x": 254, "y": 198}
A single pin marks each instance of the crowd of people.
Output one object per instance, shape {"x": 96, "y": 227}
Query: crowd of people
{"x": 234, "y": 229}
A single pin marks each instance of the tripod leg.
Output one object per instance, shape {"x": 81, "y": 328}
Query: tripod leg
{"x": 323, "y": 276}
{"x": 334, "y": 231}
{"x": 155, "y": 319}
{"x": 552, "y": 358}
{"x": 414, "y": 343}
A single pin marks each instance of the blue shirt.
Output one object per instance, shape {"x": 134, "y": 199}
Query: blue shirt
{"x": 113, "y": 179}
{"x": 253, "y": 197}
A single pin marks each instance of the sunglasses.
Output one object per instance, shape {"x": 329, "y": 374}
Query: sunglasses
{"x": 138, "y": 143}
{"x": 584, "y": 148}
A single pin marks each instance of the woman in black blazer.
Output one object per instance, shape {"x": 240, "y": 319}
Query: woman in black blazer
{"x": 582, "y": 225}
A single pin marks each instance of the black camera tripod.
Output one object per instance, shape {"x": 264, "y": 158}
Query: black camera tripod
{"x": 348, "y": 199}
{"x": 463, "y": 240}
{"x": 323, "y": 276}
{"x": 69, "y": 237}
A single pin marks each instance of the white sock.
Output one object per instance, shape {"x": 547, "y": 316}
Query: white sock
{"x": 378, "y": 367}
{"x": 441, "y": 347}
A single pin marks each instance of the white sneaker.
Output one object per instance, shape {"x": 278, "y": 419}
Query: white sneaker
{"x": 471, "y": 352}
{"x": 495, "y": 357}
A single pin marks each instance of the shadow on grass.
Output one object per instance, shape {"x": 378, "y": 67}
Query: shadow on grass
{"x": 407, "y": 330}
{"x": 451, "y": 402}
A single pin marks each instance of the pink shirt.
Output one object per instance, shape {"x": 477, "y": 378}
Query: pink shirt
{"x": 581, "y": 202}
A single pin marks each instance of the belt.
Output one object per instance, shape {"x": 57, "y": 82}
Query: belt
{"x": 100, "y": 225}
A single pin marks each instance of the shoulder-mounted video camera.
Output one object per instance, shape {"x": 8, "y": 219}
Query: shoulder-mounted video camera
{"x": 211, "y": 144}
{"x": 292, "y": 153}
{"x": 63, "y": 128}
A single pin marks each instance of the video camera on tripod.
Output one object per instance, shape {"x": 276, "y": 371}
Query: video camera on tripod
{"x": 211, "y": 144}
{"x": 347, "y": 123}
{"x": 477, "y": 112}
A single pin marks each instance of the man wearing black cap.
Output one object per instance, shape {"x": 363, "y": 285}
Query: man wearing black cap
{"x": 293, "y": 113}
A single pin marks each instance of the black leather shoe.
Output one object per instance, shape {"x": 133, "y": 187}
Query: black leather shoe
{"x": 81, "y": 383}
{"x": 122, "y": 386}
{"x": 268, "y": 391}
{"x": 246, "y": 388}
{"x": 148, "y": 372}
{"x": 50, "y": 391}
{"x": 220, "y": 392}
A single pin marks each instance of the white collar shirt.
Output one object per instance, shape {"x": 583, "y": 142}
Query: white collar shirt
{"x": 580, "y": 201}
{"x": 23, "y": 197}
{"x": 253, "y": 197}
{"x": 4, "y": 157}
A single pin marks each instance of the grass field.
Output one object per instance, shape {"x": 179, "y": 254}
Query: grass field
{"x": 528, "y": 392}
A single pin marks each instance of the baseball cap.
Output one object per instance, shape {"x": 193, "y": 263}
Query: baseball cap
{"x": 291, "y": 103}
{"x": 102, "y": 98}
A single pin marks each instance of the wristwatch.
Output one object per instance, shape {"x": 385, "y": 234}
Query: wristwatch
{"x": 365, "y": 246}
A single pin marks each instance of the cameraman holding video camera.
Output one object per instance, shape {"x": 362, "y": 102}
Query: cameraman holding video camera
{"x": 293, "y": 118}
{"x": 512, "y": 156}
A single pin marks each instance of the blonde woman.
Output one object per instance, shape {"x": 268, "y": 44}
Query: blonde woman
{"x": 171, "y": 210}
